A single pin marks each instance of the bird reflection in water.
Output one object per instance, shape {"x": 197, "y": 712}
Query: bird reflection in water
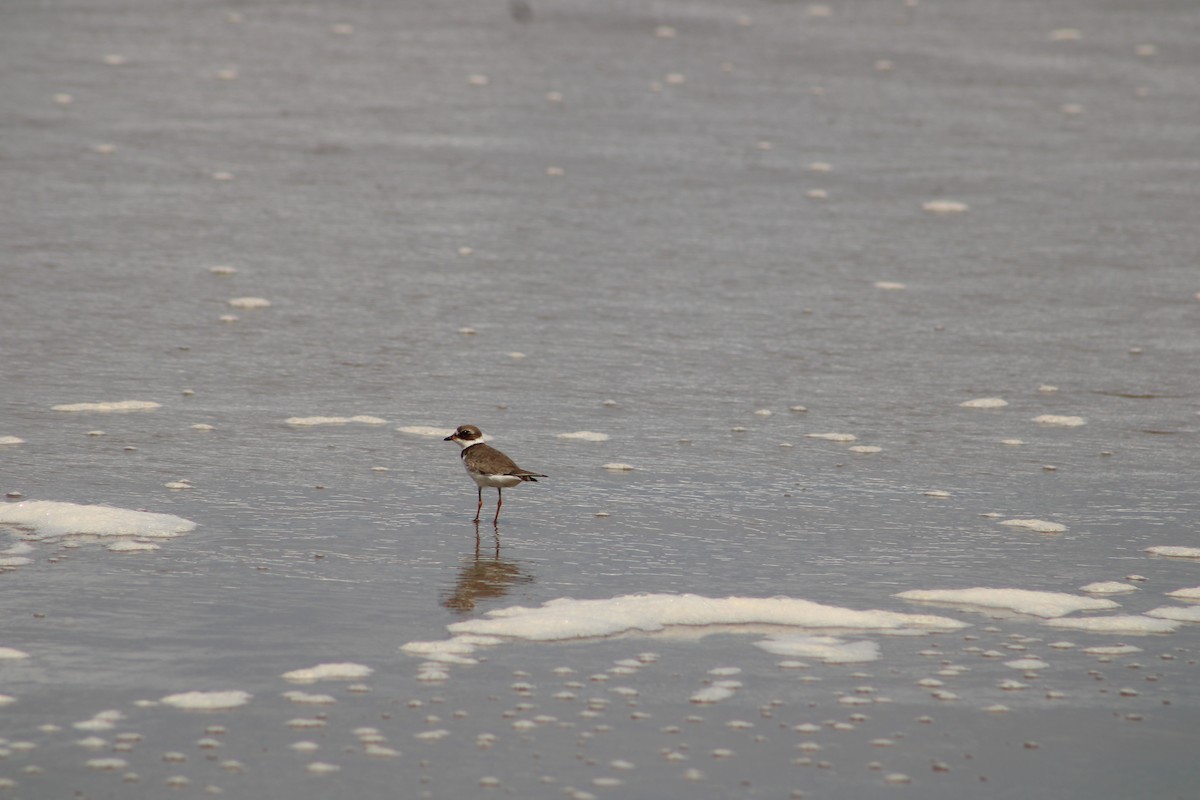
{"x": 484, "y": 576}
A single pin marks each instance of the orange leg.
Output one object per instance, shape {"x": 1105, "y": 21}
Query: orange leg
{"x": 499, "y": 502}
{"x": 480, "y": 506}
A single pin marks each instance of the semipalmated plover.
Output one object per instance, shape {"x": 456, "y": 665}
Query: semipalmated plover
{"x": 488, "y": 467}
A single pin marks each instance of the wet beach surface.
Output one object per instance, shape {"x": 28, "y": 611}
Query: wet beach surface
{"x": 714, "y": 233}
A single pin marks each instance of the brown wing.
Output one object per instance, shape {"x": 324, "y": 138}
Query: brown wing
{"x": 493, "y": 462}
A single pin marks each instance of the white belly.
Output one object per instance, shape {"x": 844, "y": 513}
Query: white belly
{"x": 493, "y": 481}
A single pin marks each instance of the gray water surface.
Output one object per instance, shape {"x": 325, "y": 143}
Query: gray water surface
{"x": 682, "y": 207}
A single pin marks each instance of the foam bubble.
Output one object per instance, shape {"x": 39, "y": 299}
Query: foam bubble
{"x": 119, "y": 406}
{"x": 1112, "y": 650}
{"x": 208, "y": 701}
{"x": 12, "y": 654}
{"x": 43, "y": 520}
{"x": 828, "y": 649}
{"x": 865, "y": 448}
{"x": 984, "y": 402}
{"x": 11, "y": 440}
{"x": 1026, "y": 663}
{"x": 250, "y": 302}
{"x": 1108, "y": 587}
{"x": 1022, "y": 601}
{"x": 312, "y": 421}
{"x": 944, "y": 207}
{"x": 426, "y": 430}
{"x": 941, "y": 494}
{"x": 1060, "y": 420}
{"x": 1036, "y": 525}
{"x": 618, "y": 466}
{"x": 832, "y": 437}
{"x": 343, "y": 671}
{"x": 890, "y": 286}
{"x": 585, "y": 436}
{"x": 1174, "y": 552}
{"x": 305, "y": 698}
{"x": 1122, "y": 623}
{"x": 130, "y": 546}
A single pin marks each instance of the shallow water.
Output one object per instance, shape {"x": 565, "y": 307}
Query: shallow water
{"x": 645, "y": 236}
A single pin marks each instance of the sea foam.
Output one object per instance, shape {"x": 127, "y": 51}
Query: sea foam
{"x": 117, "y": 407}
{"x": 1022, "y": 601}
{"x": 566, "y": 618}
{"x": 42, "y": 520}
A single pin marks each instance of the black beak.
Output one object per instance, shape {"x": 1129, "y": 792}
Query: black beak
{"x": 450, "y": 438}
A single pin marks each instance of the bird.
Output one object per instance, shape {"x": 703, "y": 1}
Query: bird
{"x": 488, "y": 467}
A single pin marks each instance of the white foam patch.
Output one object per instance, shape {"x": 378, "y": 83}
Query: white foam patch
{"x": 711, "y": 694}
{"x": 1108, "y": 587}
{"x": 343, "y": 671}
{"x": 208, "y": 701}
{"x": 1026, "y": 663}
{"x": 14, "y": 561}
{"x": 1174, "y": 552}
{"x": 250, "y": 302}
{"x": 1186, "y": 594}
{"x": 585, "y": 436}
{"x": 829, "y": 649}
{"x": 865, "y": 448}
{"x": 11, "y": 440}
{"x": 1121, "y": 623}
{"x": 985, "y": 402}
{"x": 305, "y": 698}
{"x": 619, "y": 466}
{"x": 426, "y": 430}
{"x": 1021, "y": 601}
{"x": 1177, "y": 613}
{"x": 131, "y": 546}
{"x": 1112, "y": 650}
{"x": 832, "y": 437}
{"x": 1060, "y": 420}
{"x": 944, "y": 207}
{"x": 566, "y": 618}
{"x": 12, "y": 654}
{"x": 108, "y": 408}
{"x": 43, "y": 520}
{"x": 1036, "y": 525}
{"x": 313, "y": 421}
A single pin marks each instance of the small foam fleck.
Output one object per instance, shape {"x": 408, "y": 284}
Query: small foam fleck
{"x": 208, "y": 701}
{"x": 1108, "y": 587}
{"x": 832, "y": 437}
{"x": 944, "y": 207}
{"x": 250, "y": 302}
{"x": 313, "y": 421}
{"x": 11, "y": 440}
{"x": 985, "y": 402}
{"x": 1059, "y": 420}
{"x": 585, "y": 436}
{"x": 618, "y": 466}
{"x": 890, "y": 286}
{"x": 119, "y": 406}
{"x": 1036, "y": 525}
{"x": 131, "y": 546}
{"x": 865, "y": 448}
{"x": 426, "y": 430}
{"x": 333, "y": 672}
